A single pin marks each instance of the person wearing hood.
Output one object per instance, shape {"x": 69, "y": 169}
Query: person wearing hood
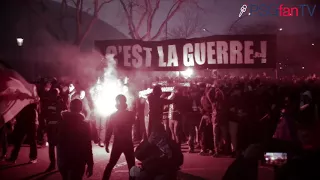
{"x": 74, "y": 149}
{"x": 120, "y": 125}
{"x": 156, "y": 163}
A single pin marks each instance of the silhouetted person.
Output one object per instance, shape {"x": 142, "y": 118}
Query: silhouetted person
{"x": 44, "y": 94}
{"x": 26, "y": 124}
{"x": 156, "y": 105}
{"x": 53, "y": 118}
{"x": 74, "y": 150}
{"x": 4, "y": 130}
{"x": 154, "y": 164}
{"x": 120, "y": 125}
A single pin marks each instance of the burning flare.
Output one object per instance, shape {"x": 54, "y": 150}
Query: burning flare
{"x": 106, "y": 89}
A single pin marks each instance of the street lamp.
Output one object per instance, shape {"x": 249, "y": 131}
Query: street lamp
{"x": 20, "y": 41}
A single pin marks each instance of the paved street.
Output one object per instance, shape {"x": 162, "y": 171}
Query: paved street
{"x": 195, "y": 167}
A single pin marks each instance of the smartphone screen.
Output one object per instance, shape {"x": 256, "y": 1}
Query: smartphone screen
{"x": 275, "y": 158}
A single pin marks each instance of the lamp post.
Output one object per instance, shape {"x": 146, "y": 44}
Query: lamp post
{"x": 168, "y": 17}
{"x": 20, "y": 41}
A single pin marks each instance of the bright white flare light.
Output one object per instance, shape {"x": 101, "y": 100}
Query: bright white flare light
{"x": 187, "y": 73}
{"x": 104, "y": 94}
{"x": 105, "y": 91}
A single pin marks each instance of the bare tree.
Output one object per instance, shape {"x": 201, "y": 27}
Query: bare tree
{"x": 82, "y": 25}
{"x": 189, "y": 27}
{"x": 141, "y": 13}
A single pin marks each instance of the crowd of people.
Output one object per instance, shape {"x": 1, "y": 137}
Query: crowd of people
{"x": 221, "y": 117}
{"x": 230, "y": 114}
{"x": 62, "y": 116}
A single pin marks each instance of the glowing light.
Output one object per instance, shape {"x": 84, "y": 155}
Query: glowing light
{"x": 126, "y": 79}
{"x": 20, "y": 41}
{"x": 280, "y": 67}
{"x": 280, "y": 29}
{"x": 104, "y": 95}
{"x": 249, "y": 14}
{"x": 302, "y": 67}
{"x": 187, "y": 73}
{"x": 82, "y": 94}
{"x": 106, "y": 89}
{"x": 71, "y": 87}
{"x": 185, "y": 84}
{"x": 145, "y": 93}
{"x": 312, "y": 44}
{"x": 167, "y": 89}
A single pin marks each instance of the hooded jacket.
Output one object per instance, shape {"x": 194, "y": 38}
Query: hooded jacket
{"x": 74, "y": 141}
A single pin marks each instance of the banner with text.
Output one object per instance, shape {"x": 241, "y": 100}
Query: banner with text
{"x": 214, "y": 52}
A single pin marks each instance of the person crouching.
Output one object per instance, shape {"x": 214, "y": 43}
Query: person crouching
{"x": 74, "y": 149}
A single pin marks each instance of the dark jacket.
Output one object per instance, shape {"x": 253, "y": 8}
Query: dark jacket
{"x": 28, "y": 116}
{"x": 54, "y": 109}
{"x": 152, "y": 161}
{"x": 120, "y": 125}
{"x": 74, "y": 141}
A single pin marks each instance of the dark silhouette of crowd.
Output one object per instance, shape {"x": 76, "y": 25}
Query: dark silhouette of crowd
{"x": 238, "y": 117}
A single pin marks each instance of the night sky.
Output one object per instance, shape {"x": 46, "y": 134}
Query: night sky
{"x": 218, "y": 15}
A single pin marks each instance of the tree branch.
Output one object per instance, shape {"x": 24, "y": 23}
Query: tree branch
{"x": 81, "y": 11}
{"x": 97, "y": 8}
{"x": 133, "y": 33}
{"x": 167, "y": 19}
{"x": 103, "y": 3}
{"x": 143, "y": 16}
{"x": 78, "y": 22}
{"x": 150, "y": 18}
{"x": 190, "y": 25}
